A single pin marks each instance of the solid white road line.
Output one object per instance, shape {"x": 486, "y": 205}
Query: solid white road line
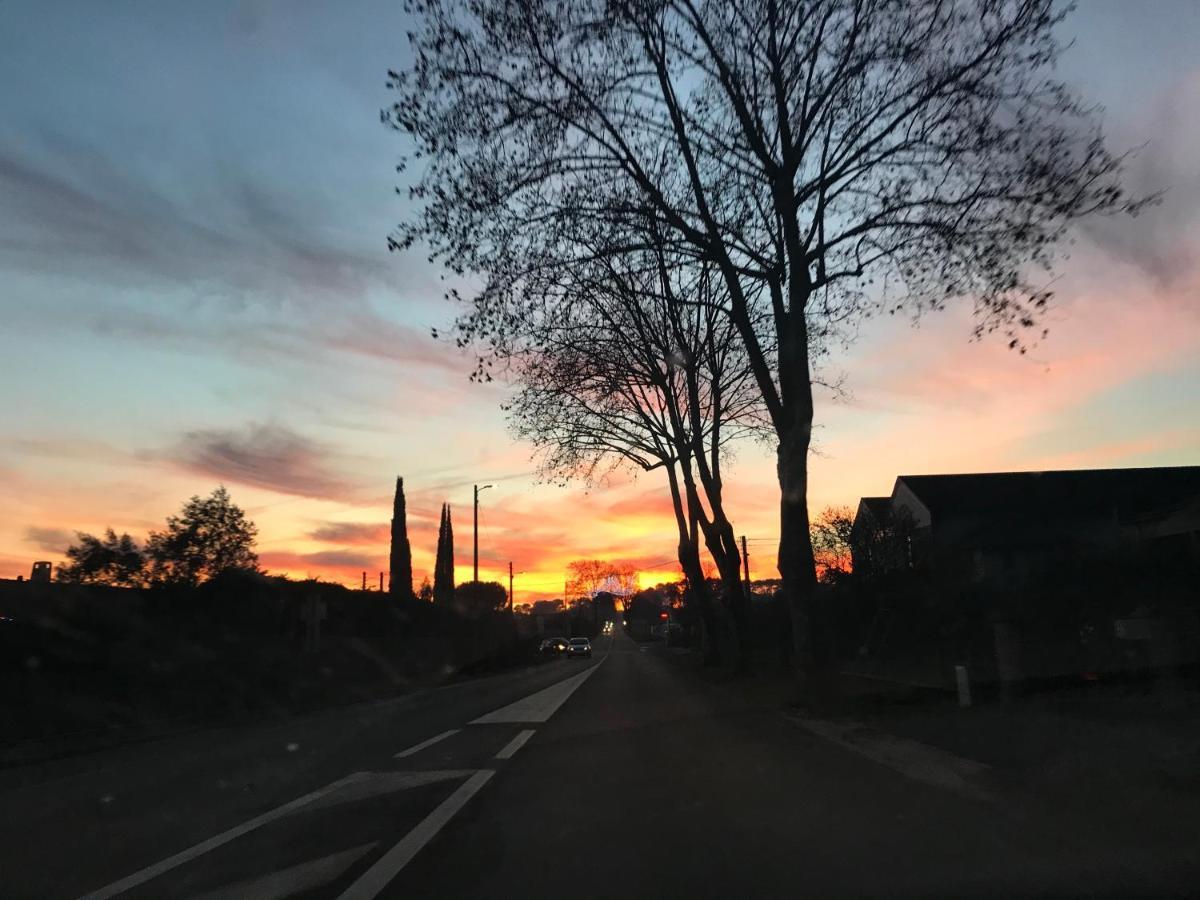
{"x": 376, "y": 878}
{"x": 920, "y": 762}
{"x": 380, "y": 783}
{"x": 417, "y": 748}
{"x": 540, "y": 706}
{"x": 515, "y": 744}
{"x": 303, "y": 877}
{"x": 144, "y": 875}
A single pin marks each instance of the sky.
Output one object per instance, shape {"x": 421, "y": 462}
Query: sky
{"x": 195, "y": 289}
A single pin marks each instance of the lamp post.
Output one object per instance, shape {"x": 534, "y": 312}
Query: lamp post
{"x": 477, "y": 490}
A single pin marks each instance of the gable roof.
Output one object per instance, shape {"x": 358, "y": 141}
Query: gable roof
{"x": 1131, "y": 494}
{"x": 879, "y": 507}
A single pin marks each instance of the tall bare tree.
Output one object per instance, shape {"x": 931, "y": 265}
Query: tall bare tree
{"x": 828, "y": 157}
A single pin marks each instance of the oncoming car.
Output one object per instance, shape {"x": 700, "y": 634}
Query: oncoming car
{"x": 579, "y": 647}
{"x": 553, "y": 645}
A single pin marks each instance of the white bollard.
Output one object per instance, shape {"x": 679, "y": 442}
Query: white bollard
{"x": 964, "y": 685}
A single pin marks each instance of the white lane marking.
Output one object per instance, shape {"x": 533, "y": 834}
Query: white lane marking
{"x": 417, "y": 748}
{"x": 376, "y": 878}
{"x": 540, "y": 706}
{"x": 144, "y": 875}
{"x": 380, "y": 783}
{"x": 303, "y": 877}
{"x": 515, "y": 744}
{"x": 920, "y": 762}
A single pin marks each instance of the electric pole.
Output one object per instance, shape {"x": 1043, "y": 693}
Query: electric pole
{"x": 364, "y": 587}
{"x": 746, "y": 564}
{"x": 477, "y": 490}
{"x": 381, "y": 581}
{"x": 510, "y": 589}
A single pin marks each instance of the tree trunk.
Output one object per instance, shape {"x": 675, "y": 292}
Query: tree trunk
{"x": 689, "y": 558}
{"x": 810, "y": 633}
{"x": 722, "y": 545}
{"x": 693, "y": 570}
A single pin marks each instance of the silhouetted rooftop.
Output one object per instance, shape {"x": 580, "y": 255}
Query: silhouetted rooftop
{"x": 1130, "y": 493}
{"x": 879, "y": 507}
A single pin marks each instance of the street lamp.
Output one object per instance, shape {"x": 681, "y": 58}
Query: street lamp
{"x": 477, "y": 490}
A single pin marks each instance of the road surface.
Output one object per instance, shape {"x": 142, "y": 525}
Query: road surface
{"x": 623, "y": 776}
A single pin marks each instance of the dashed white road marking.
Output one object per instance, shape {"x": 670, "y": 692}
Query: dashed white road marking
{"x": 171, "y": 862}
{"x": 304, "y": 877}
{"x": 540, "y": 706}
{"x": 376, "y": 878}
{"x": 417, "y": 748}
{"x": 515, "y": 744}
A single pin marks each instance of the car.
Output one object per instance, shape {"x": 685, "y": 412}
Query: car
{"x": 553, "y": 646}
{"x": 579, "y": 647}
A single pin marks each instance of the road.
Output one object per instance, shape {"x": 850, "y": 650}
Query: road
{"x": 626, "y": 776}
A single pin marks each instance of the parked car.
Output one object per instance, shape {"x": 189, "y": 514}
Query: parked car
{"x": 579, "y": 647}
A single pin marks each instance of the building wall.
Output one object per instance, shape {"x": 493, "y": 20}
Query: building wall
{"x": 904, "y": 499}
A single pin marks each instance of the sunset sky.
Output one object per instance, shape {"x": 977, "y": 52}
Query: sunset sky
{"x": 195, "y": 289}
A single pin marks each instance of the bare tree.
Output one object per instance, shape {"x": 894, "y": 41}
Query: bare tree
{"x": 626, "y": 360}
{"x": 832, "y": 541}
{"x": 829, "y": 158}
{"x": 587, "y": 577}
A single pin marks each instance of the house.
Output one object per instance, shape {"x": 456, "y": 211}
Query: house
{"x": 1029, "y": 575}
{"x": 1009, "y": 526}
{"x": 877, "y": 544}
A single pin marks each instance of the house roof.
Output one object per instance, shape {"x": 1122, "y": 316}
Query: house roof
{"x": 879, "y": 509}
{"x": 1133, "y": 494}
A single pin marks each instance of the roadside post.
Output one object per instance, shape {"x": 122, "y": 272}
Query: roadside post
{"x": 314, "y": 614}
{"x": 964, "y": 685}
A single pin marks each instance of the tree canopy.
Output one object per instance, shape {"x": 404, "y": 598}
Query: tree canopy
{"x": 109, "y": 560}
{"x": 830, "y": 159}
{"x": 831, "y": 540}
{"x": 475, "y": 598}
{"x": 211, "y": 535}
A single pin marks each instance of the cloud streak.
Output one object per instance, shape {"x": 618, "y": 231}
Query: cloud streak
{"x": 348, "y": 564}
{"x": 357, "y": 533}
{"x": 87, "y": 217}
{"x": 267, "y": 456}
{"x": 52, "y": 540}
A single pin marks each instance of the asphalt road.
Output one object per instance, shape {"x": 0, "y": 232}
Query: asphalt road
{"x": 625, "y": 776}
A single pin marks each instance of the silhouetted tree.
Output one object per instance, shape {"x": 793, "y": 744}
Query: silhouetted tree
{"x": 400, "y": 560}
{"x": 425, "y": 594}
{"x": 475, "y": 598}
{"x": 109, "y": 560}
{"x": 625, "y": 361}
{"x": 831, "y": 540}
{"x": 210, "y": 536}
{"x": 829, "y": 158}
{"x": 443, "y": 573}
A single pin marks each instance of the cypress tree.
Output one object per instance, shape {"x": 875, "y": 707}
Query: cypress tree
{"x": 443, "y": 573}
{"x": 400, "y": 560}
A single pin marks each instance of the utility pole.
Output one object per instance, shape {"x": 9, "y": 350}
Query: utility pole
{"x": 364, "y": 587}
{"x": 477, "y": 490}
{"x": 381, "y": 581}
{"x": 746, "y": 564}
{"x": 510, "y": 589}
